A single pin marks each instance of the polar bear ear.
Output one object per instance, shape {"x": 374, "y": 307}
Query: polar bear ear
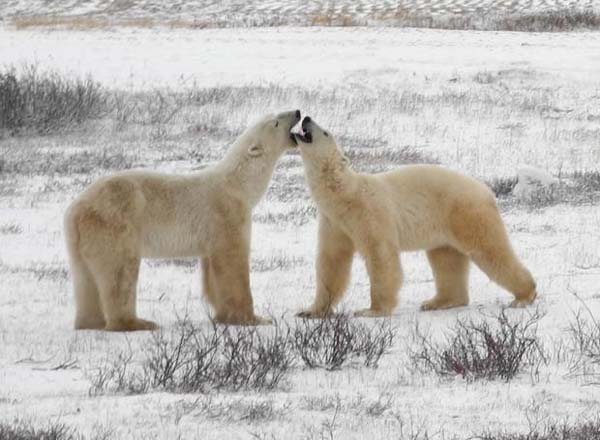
{"x": 255, "y": 150}
{"x": 345, "y": 160}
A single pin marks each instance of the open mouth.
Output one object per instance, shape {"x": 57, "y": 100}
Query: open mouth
{"x": 303, "y": 133}
{"x": 305, "y": 137}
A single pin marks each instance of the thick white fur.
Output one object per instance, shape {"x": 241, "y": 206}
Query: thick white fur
{"x": 136, "y": 214}
{"x": 419, "y": 207}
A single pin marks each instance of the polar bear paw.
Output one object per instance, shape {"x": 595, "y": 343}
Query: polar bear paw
{"x": 131, "y": 325}
{"x": 260, "y": 320}
{"x": 436, "y": 304}
{"x": 519, "y": 303}
{"x": 372, "y": 313}
{"x": 312, "y": 314}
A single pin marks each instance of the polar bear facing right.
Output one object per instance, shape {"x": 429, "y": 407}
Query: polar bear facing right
{"x": 453, "y": 217}
{"x": 131, "y": 215}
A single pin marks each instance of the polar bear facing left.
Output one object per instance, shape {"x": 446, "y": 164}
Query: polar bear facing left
{"x": 131, "y": 215}
{"x": 453, "y": 217}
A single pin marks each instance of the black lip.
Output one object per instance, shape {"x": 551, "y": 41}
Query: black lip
{"x": 305, "y": 138}
{"x": 305, "y": 123}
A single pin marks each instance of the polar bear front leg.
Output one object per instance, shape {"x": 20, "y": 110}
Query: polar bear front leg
{"x": 385, "y": 275}
{"x": 334, "y": 263}
{"x": 451, "y": 274}
{"x": 230, "y": 276}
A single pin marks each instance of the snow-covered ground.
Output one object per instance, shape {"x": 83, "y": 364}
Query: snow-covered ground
{"x": 484, "y": 103}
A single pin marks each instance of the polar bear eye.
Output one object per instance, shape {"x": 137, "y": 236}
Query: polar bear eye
{"x": 276, "y": 123}
{"x": 325, "y": 133}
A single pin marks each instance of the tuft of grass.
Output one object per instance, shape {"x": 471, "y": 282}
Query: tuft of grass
{"x": 297, "y": 216}
{"x": 47, "y": 102}
{"x": 339, "y": 340}
{"x": 276, "y": 262}
{"x": 31, "y": 162}
{"x": 586, "y": 180}
{"x": 568, "y": 19}
{"x": 584, "y": 334}
{"x": 499, "y": 348}
{"x": 377, "y": 160}
{"x": 20, "y": 430}
{"x": 10, "y": 229}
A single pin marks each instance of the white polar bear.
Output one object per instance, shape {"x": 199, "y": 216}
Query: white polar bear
{"x": 420, "y": 207}
{"x": 135, "y": 214}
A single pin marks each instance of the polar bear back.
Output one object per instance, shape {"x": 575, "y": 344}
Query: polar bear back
{"x": 421, "y": 199}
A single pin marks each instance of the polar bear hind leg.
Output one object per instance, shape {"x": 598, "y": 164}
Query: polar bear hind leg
{"x": 481, "y": 235}
{"x": 89, "y": 313}
{"x": 451, "y": 274}
{"x": 117, "y": 281}
{"x": 110, "y": 253}
{"x": 209, "y": 289}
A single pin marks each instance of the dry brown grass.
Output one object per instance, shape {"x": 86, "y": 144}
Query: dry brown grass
{"x": 92, "y": 22}
{"x": 393, "y": 16}
{"x": 335, "y": 20}
{"x": 79, "y": 22}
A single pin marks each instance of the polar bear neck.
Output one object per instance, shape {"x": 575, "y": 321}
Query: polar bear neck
{"x": 245, "y": 176}
{"x": 326, "y": 176}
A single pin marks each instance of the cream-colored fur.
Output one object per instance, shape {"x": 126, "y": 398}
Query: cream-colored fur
{"x": 452, "y": 217}
{"x": 136, "y": 214}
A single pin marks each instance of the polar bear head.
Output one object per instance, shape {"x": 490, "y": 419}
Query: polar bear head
{"x": 271, "y": 135}
{"x": 318, "y": 145}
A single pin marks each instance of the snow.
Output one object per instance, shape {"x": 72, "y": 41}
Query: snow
{"x": 531, "y": 180}
{"x": 558, "y": 243}
{"x": 325, "y": 57}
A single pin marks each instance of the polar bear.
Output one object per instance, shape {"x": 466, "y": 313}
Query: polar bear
{"x": 452, "y": 217}
{"x": 136, "y": 214}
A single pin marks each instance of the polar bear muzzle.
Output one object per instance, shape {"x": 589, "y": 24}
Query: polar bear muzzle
{"x": 298, "y": 116}
{"x": 306, "y": 136}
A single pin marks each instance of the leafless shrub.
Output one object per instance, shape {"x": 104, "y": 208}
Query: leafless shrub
{"x": 197, "y": 359}
{"x": 502, "y": 186}
{"x": 583, "y": 346}
{"x": 47, "y": 102}
{"x": 552, "y": 431}
{"x": 201, "y": 359}
{"x": 585, "y": 335}
{"x": 20, "y": 430}
{"x": 339, "y": 340}
{"x": 482, "y": 349}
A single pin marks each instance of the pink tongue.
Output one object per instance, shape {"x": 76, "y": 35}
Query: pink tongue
{"x": 297, "y": 129}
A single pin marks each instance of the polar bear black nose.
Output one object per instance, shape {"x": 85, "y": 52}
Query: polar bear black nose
{"x": 298, "y": 114}
{"x": 307, "y": 119}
